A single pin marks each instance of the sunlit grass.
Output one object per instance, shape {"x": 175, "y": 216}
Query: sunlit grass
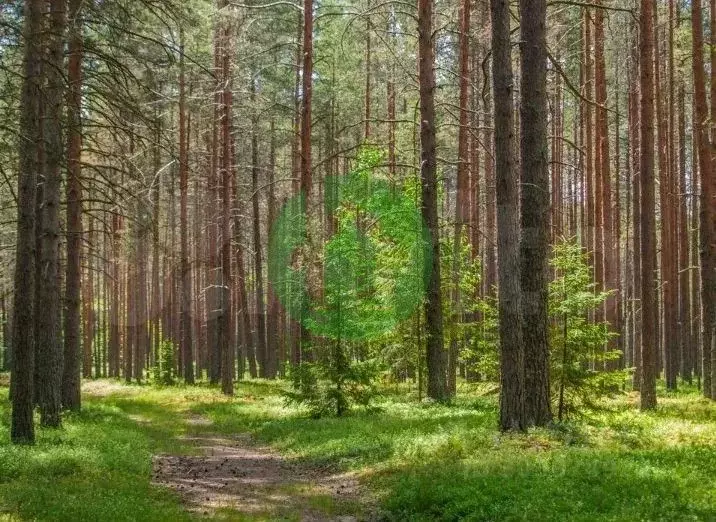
{"x": 422, "y": 462}
{"x": 97, "y": 467}
{"x": 432, "y": 462}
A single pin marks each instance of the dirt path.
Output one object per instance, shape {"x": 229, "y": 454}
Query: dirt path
{"x": 236, "y": 476}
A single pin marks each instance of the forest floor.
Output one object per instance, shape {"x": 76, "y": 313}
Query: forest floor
{"x": 181, "y": 453}
{"x": 232, "y": 474}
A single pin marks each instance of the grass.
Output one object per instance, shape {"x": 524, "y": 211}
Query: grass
{"x": 97, "y": 467}
{"x": 423, "y": 462}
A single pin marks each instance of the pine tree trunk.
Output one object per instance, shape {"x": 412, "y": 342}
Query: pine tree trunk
{"x": 685, "y": 311}
{"x": 368, "y": 76}
{"x": 635, "y": 144}
{"x": 695, "y": 240}
{"x": 273, "y": 308}
{"x": 156, "y": 298}
{"x": 213, "y": 293}
{"x": 5, "y": 332}
{"x": 475, "y": 223}
{"x": 49, "y": 341}
{"x": 88, "y": 326}
{"x": 258, "y": 262}
{"x": 71, "y": 398}
{"x": 664, "y": 354}
{"x": 708, "y": 188}
{"x": 705, "y": 171}
{"x": 306, "y": 179}
{"x": 226, "y": 337}
{"x": 462, "y": 217}
{"x": 647, "y": 208}
{"x": 129, "y": 321}
{"x": 241, "y": 300}
{"x": 185, "y": 322}
{"x": 437, "y": 385}
{"x": 508, "y": 223}
{"x": 22, "y": 430}
{"x": 605, "y": 231}
{"x": 589, "y": 145}
{"x": 535, "y": 200}
{"x": 292, "y": 326}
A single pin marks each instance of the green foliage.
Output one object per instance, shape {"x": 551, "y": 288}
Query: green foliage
{"x": 373, "y": 264}
{"x": 469, "y": 319}
{"x": 579, "y": 355}
{"x": 164, "y": 369}
{"x": 328, "y": 389}
{"x": 373, "y": 280}
{"x": 482, "y": 351}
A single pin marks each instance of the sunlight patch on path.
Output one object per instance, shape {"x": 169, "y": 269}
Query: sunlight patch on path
{"x": 104, "y": 388}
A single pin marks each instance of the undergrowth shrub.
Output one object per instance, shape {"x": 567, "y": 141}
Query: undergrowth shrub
{"x": 328, "y": 389}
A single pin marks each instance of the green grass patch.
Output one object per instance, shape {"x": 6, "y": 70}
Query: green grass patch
{"x": 435, "y": 462}
{"x": 422, "y": 462}
{"x": 97, "y": 467}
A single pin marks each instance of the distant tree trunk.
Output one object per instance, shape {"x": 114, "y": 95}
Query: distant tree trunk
{"x": 535, "y": 201}
{"x": 141, "y": 332}
{"x": 129, "y": 321}
{"x": 635, "y": 145}
{"x": 705, "y": 171}
{"x": 708, "y": 184}
{"x": 558, "y": 217}
{"x": 390, "y": 88}
{"x": 688, "y": 341}
{"x": 5, "y": 332}
{"x": 225, "y": 322}
{"x": 685, "y": 311}
{"x": 694, "y": 240}
{"x": 272, "y": 317}
{"x": 185, "y": 323}
{"x": 242, "y": 303}
{"x": 589, "y": 145}
{"x": 258, "y": 262}
{"x": 664, "y": 315}
{"x": 490, "y": 200}
{"x": 647, "y": 218}
{"x": 462, "y": 217}
{"x": 437, "y": 385}
{"x": 88, "y": 326}
{"x": 114, "y": 301}
{"x": 198, "y": 302}
{"x": 293, "y": 328}
{"x": 368, "y": 76}
{"x": 616, "y": 220}
{"x": 22, "y": 430}
{"x": 71, "y": 398}
{"x": 49, "y": 341}
{"x": 140, "y": 296}
{"x": 475, "y": 146}
{"x": 102, "y": 289}
{"x": 156, "y": 207}
{"x": 605, "y": 230}
{"x": 669, "y": 223}
{"x": 306, "y": 179}
{"x": 508, "y": 224}
{"x": 628, "y": 303}
{"x": 306, "y": 106}
{"x": 213, "y": 293}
